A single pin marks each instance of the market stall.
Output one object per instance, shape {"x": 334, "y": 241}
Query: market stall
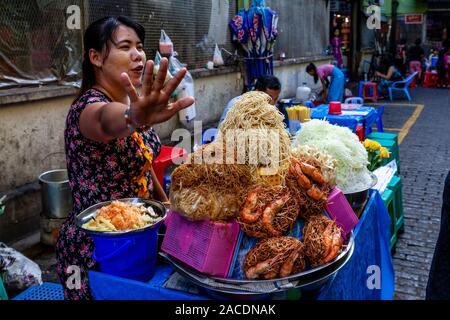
{"x": 254, "y": 214}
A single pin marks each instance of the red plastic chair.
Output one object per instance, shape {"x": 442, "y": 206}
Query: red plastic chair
{"x": 167, "y": 157}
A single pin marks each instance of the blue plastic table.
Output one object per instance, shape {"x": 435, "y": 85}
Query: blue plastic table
{"x": 349, "y": 121}
{"x": 358, "y": 279}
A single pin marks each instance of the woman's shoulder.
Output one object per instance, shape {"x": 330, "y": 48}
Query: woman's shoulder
{"x": 91, "y": 96}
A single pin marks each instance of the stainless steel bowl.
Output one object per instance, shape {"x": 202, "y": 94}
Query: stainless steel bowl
{"x": 312, "y": 279}
{"x": 90, "y": 212}
{"x": 357, "y": 198}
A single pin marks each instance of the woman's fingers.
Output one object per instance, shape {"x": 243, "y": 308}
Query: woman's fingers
{"x": 174, "y": 82}
{"x": 181, "y": 104}
{"x": 129, "y": 88}
{"x": 148, "y": 78}
{"x": 161, "y": 75}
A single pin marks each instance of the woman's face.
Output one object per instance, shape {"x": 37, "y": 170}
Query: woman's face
{"x": 312, "y": 73}
{"x": 126, "y": 54}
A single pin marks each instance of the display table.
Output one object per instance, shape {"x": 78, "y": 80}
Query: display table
{"x": 363, "y": 115}
{"x": 358, "y": 279}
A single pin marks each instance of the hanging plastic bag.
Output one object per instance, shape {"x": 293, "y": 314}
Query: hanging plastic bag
{"x": 217, "y": 59}
{"x": 165, "y": 45}
{"x": 185, "y": 89}
{"x": 156, "y": 69}
{"x": 19, "y": 272}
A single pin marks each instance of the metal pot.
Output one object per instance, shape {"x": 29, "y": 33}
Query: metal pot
{"x": 357, "y": 198}
{"x": 56, "y": 194}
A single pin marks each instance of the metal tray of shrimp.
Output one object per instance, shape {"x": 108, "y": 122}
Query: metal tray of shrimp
{"x": 310, "y": 279}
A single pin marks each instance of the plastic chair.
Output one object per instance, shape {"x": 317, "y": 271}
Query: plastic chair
{"x": 209, "y": 135}
{"x": 356, "y": 100}
{"x": 402, "y": 86}
{"x": 370, "y": 91}
{"x": 380, "y": 111}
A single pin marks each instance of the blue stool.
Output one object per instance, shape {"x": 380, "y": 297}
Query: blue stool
{"x": 45, "y": 291}
{"x": 209, "y": 135}
{"x": 309, "y": 104}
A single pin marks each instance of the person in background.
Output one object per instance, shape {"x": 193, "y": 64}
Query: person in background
{"x": 109, "y": 140}
{"x": 336, "y": 48}
{"x": 388, "y": 73}
{"x": 400, "y": 56}
{"x": 266, "y": 83}
{"x": 333, "y": 89}
{"x": 438, "y": 287}
{"x": 442, "y": 64}
{"x": 416, "y": 56}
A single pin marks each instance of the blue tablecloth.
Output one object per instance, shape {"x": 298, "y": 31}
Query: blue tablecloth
{"x": 349, "y": 121}
{"x": 371, "y": 261}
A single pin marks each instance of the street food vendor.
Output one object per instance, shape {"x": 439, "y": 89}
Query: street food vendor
{"x": 334, "y": 88}
{"x": 109, "y": 140}
{"x": 265, "y": 83}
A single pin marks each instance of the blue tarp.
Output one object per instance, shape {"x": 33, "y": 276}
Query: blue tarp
{"x": 357, "y": 280}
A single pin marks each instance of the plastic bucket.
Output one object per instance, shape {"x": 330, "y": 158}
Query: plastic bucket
{"x": 129, "y": 254}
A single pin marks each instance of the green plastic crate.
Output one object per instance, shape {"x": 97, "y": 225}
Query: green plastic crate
{"x": 388, "y": 199}
{"x": 396, "y": 186}
{"x": 383, "y": 136}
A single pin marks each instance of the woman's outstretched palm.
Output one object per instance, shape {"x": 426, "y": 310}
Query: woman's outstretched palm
{"x": 152, "y": 106}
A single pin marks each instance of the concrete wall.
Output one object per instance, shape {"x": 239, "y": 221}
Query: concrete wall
{"x": 31, "y": 137}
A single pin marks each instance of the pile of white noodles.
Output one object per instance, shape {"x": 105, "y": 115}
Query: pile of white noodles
{"x": 342, "y": 145}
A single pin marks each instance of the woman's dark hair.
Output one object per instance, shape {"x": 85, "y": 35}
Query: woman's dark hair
{"x": 402, "y": 41}
{"x": 312, "y": 67}
{"x": 267, "y": 81}
{"x": 97, "y": 36}
{"x": 418, "y": 42}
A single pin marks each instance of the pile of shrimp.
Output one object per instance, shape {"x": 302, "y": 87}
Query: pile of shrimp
{"x": 268, "y": 211}
{"x": 323, "y": 240}
{"x": 275, "y": 258}
{"x": 310, "y": 187}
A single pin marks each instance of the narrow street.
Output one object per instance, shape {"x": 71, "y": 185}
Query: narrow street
{"x": 424, "y": 155}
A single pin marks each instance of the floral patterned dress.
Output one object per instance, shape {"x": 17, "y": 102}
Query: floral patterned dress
{"x": 97, "y": 172}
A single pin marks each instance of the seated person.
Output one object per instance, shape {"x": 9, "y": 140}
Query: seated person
{"x": 387, "y": 74}
{"x": 266, "y": 83}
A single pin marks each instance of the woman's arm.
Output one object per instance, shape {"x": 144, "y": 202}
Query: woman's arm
{"x": 386, "y": 76}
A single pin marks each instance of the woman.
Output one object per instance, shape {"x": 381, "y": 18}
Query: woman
{"x": 387, "y": 73}
{"x": 333, "y": 90}
{"x": 336, "y": 48}
{"x": 109, "y": 141}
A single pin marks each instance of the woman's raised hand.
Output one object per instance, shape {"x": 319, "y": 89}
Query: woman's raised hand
{"x": 152, "y": 106}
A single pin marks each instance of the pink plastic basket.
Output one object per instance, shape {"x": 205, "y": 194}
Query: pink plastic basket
{"x": 206, "y": 246}
{"x": 340, "y": 211}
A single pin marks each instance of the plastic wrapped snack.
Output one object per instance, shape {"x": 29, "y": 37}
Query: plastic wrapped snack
{"x": 18, "y": 271}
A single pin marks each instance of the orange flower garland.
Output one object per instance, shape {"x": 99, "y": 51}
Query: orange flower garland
{"x": 141, "y": 180}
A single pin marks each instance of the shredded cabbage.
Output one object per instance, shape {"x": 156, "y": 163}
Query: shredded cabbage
{"x": 342, "y": 145}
